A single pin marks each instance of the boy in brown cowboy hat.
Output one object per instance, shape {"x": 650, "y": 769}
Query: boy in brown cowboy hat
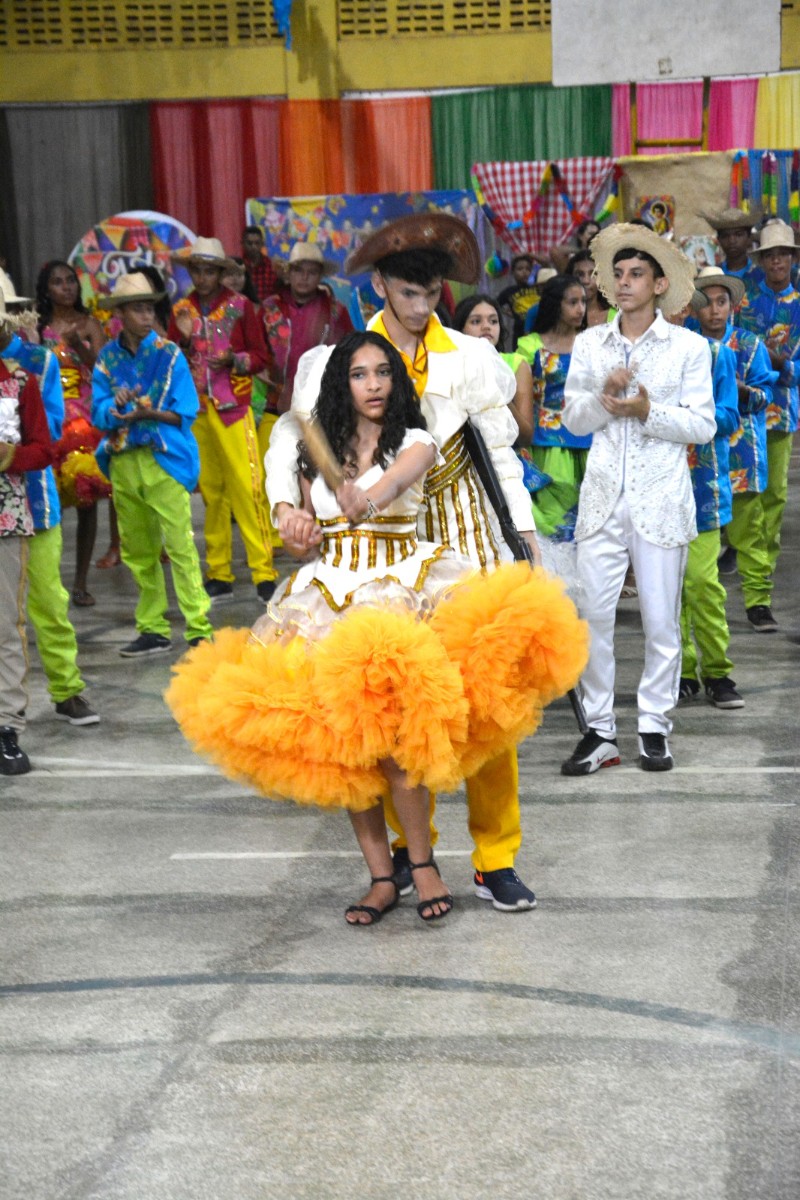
{"x": 222, "y": 337}
{"x": 144, "y": 398}
{"x": 456, "y": 378}
{"x": 772, "y": 312}
{"x": 642, "y": 387}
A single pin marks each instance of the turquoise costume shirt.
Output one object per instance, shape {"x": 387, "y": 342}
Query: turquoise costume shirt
{"x": 40, "y": 486}
{"x": 775, "y": 317}
{"x": 709, "y": 463}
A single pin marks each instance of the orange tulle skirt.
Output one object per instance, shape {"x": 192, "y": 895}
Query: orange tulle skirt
{"x": 311, "y": 721}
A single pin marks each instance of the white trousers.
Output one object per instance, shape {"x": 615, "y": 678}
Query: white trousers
{"x": 602, "y": 563}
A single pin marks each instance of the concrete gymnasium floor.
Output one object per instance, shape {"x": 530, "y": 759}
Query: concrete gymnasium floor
{"x": 185, "y": 1014}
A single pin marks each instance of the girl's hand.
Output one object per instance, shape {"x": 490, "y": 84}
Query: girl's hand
{"x": 298, "y": 530}
{"x": 353, "y": 502}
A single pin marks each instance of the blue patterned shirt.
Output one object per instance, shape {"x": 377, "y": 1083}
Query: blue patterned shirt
{"x": 775, "y": 318}
{"x": 748, "y": 458}
{"x": 709, "y": 463}
{"x": 160, "y": 374}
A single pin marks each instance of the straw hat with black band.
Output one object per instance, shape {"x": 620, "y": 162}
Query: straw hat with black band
{"x": 131, "y": 289}
{"x": 715, "y": 277}
{"x": 675, "y": 266}
{"x": 422, "y": 231}
{"x": 207, "y": 251}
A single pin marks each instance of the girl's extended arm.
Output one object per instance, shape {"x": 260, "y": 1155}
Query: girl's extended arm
{"x": 408, "y": 467}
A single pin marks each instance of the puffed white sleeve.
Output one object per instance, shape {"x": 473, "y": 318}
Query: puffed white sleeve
{"x": 582, "y": 413}
{"x": 692, "y": 419}
{"x": 490, "y": 387}
{"x": 280, "y": 461}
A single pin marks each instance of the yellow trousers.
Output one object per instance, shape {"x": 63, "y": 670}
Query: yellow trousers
{"x": 232, "y": 483}
{"x": 493, "y": 814}
{"x": 265, "y": 427}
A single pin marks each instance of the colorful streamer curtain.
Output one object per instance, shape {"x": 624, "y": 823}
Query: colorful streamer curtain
{"x": 209, "y": 157}
{"x": 778, "y": 112}
{"x": 517, "y": 124}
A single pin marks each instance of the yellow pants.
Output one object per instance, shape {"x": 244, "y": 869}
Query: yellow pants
{"x": 266, "y": 425}
{"x": 232, "y": 483}
{"x": 493, "y": 814}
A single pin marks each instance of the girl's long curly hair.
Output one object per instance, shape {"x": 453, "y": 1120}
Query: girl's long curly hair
{"x": 549, "y": 311}
{"x": 44, "y": 305}
{"x": 337, "y": 417}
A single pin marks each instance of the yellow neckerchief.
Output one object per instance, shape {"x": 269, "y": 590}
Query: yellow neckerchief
{"x": 434, "y": 338}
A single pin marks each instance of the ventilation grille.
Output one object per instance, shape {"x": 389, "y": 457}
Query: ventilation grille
{"x": 135, "y": 24}
{"x": 426, "y": 18}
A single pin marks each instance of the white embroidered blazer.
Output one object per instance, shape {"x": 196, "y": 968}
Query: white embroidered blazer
{"x": 471, "y": 382}
{"x": 645, "y": 459}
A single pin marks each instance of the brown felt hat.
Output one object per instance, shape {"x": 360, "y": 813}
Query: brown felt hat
{"x": 732, "y": 218}
{"x": 422, "y": 231}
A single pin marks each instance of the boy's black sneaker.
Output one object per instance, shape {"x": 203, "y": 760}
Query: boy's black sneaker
{"x": 77, "y": 711}
{"x": 591, "y": 753}
{"x": 654, "y": 752}
{"x": 197, "y": 641}
{"x": 401, "y": 870}
{"x": 13, "y": 761}
{"x": 726, "y": 563}
{"x": 689, "y": 689}
{"x": 145, "y": 644}
{"x": 723, "y": 694}
{"x": 218, "y": 590}
{"x": 505, "y": 889}
{"x": 761, "y": 618}
{"x": 265, "y": 590}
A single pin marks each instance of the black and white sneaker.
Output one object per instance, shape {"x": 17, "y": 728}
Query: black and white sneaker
{"x": 723, "y": 694}
{"x": 77, "y": 711}
{"x": 591, "y": 753}
{"x": 761, "y": 618}
{"x": 218, "y": 590}
{"x": 265, "y": 590}
{"x": 654, "y": 752}
{"x": 146, "y": 644}
{"x": 505, "y": 889}
{"x": 401, "y": 871}
{"x": 13, "y": 760}
{"x": 689, "y": 689}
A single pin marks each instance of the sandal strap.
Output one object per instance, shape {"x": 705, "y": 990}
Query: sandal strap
{"x": 431, "y": 862}
{"x": 383, "y": 879}
{"x": 446, "y": 900}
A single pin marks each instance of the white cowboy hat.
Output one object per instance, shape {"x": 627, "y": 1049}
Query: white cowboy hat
{"x": 205, "y": 250}
{"x": 716, "y": 277}
{"x": 677, "y": 269}
{"x": 130, "y": 288}
{"x": 776, "y": 236}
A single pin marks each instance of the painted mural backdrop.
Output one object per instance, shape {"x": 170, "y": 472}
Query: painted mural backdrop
{"x": 339, "y": 224}
{"x": 125, "y": 242}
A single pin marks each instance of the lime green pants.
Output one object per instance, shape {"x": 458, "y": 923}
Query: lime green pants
{"x": 779, "y": 451}
{"x": 154, "y": 509}
{"x": 48, "y": 609}
{"x": 747, "y": 533}
{"x": 703, "y": 620}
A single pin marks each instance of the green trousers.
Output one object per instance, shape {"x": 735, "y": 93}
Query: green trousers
{"x": 703, "y": 618}
{"x": 746, "y": 532}
{"x": 153, "y": 508}
{"x": 779, "y": 451}
{"x": 48, "y": 612}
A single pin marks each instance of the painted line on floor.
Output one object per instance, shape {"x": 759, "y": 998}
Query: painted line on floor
{"x": 784, "y": 1044}
{"x": 224, "y": 855}
{"x": 90, "y": 768}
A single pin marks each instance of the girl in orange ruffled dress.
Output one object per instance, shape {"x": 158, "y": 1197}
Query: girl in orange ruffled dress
{"x": 75, "y": 338}
{"x": 386, "y": 663}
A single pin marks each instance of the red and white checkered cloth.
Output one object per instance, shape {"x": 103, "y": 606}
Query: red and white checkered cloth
{"x": 510, "y": 188}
